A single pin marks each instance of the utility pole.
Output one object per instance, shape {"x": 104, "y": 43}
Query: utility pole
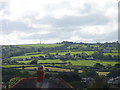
{"x": 40, "y": 41}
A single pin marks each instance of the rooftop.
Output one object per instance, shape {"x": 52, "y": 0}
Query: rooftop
{"x": 51, "y": 82}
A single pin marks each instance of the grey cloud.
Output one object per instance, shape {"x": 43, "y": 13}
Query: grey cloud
{"x": 66, "y": 21}
{"x": 10, "y": 26}
{"x": 4, "y": 8}
{"x": 113, "y": 36}
{"x": 3, "y": 5}
{"x": 54, "y": 35}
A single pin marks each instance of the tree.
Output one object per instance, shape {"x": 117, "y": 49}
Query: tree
{"x": 76, "y": 70}
{"x": 13, "y": 81}
{"x": 114, "y": 72}
{"x": 100, "y": 82}
{"x": 33, "y": 62}
{"x": 7, "y": 74}
{"x": 69, "y": 63}
{"x": 98, "y": 65}
{"x": 57, "y": 53}
{"x": 97, "y": 55}
{"x": 89, "y": 73}
{"x": 25, "y": 74}
{"x": 23, "y": 67}
{"x": 117, "y": 65}
{"x": 84, "y": 55}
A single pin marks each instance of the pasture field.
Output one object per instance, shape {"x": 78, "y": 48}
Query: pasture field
{"x": 72, "y": 53}
{"x": 33, "y": 53}
{"x": 40, "y": 45}
{"x": 27, "y": 61}
{"x": 113, "y": 54}
{"x": 50, "y": 61}
{"x": 77, "y": 45}
{"x": 115, "y": 51}
{"x": 37, "y": 54}
{"x": 43, "y": 61}
{"x": 28, "y": 56}
{"x": 102, "y": 73}
{"x": 50, "y": 68}
{"x": 8, "y": 66}
{"x": 77, "y": 62}
{"x": 90, "y": 62}
{"x": 95, "y": 45}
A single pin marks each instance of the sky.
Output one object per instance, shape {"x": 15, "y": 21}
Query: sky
{"x": 53, "y": 21}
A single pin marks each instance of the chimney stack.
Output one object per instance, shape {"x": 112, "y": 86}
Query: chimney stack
{"x": 40, "y": 74}
{"x": 40, "y": 77}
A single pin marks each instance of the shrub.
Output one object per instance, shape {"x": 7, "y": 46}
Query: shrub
{"x": 13, "y": 81}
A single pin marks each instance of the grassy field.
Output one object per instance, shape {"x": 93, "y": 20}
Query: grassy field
{"x": 102, "y": 73}
{"x": 33, "y": 53}
{"x": 90, "y": 62}
{"x": 113, "y": 54}
{"x": 44, "y": 61}
{"x": 72, "y": 53}
{"x": 37, "y": 54}
{"x": 28, "y": 56}
{"x": 50, "y": 69}
{"x": 78, "y": 62}
{"x": 7, "y": 66}
{"x": 77, "y": 45}
{"x": 25, "y": 61}
{"x": 116, "y": 51}
{"x": 95, "y": 45}
{"x": 39, "y": 45}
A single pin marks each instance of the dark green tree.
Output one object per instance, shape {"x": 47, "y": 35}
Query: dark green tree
{"x": 100, "y": 83}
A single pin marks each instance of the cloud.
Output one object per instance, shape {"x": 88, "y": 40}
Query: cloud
{"x": 57, "y": 20}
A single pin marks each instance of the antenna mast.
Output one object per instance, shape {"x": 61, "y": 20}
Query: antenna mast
{"x": 40, "y": 41}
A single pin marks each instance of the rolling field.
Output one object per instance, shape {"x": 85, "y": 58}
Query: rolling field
{"x": 44, "y": 61}
{"x": 77, "y": 45}
{"x": 102, "y": 73}
{"x": 78, "y": 62}
{"x": 72, "y": 53}
{"x": 28, "y": 56}
{"x": 8, "y": 66}
{"x": 50, "y": 69}
{"x": 90, "y": 62}
{"x": 62, "y": 70}
{"x": 39, "y": 45}
{"x": 115, "y": 51}
{"x": 33, "y": 53}
{"x": 113, "y": 54}
{"x": 37, "y": 54}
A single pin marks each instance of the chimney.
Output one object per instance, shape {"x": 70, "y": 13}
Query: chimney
{"x": 40, "y": 74}
{"x": 40, "y": 77}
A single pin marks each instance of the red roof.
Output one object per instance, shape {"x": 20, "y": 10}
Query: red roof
{"x": 47, "y": 83}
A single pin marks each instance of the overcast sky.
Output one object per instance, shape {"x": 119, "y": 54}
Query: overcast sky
{"x": 51, "y": 21}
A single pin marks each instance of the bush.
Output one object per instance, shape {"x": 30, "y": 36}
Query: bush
{"x": 100, "y": 82}
{"x": 89, "y": 73}
{"x": 13, "y": 81}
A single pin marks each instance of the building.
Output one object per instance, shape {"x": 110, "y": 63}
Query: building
{"x": 42, "y": 82}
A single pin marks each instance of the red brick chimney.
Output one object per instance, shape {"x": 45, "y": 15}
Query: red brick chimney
{"x": 40, "y": 74}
